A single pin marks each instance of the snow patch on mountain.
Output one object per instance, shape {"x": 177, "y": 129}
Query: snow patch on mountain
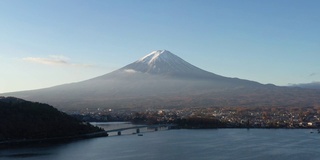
{"x": 130, "y": 71}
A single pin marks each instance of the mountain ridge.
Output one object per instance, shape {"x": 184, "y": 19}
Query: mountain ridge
{"x": 162, "y": 79}
{"x": 312, "y": 85}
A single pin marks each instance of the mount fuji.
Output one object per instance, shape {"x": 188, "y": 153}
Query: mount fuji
{"x": 164, "y": 80}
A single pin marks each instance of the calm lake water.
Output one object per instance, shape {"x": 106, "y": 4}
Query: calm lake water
{"x": 263, "y": 144}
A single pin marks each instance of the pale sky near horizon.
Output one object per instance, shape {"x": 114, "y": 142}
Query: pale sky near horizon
{"x": 44, "y": 43}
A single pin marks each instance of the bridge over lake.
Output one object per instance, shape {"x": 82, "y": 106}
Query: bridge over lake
{"x": 155, "y": 127}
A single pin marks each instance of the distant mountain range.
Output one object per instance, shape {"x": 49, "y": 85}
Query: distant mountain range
{"x": 313, "y": 85}
{"x": 163, "y": 80}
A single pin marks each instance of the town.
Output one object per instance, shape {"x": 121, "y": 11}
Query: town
{"x": 214, "y": 117}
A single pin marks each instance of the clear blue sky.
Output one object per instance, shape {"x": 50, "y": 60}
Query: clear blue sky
{"x": 50, "y": 42}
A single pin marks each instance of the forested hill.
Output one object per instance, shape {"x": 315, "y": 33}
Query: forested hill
{"x": 20, "y": 119}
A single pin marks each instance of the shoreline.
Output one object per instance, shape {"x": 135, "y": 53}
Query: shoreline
{"x": 57, "y": 140}
{"x": 23, "y": 142}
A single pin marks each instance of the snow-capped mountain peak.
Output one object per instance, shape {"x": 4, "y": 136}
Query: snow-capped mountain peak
{"x": 163, "y": 62}
{"x": 159, "y": 55}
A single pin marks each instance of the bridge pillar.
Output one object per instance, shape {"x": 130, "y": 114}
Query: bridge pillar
{"x": 138, "y": 130}
{"x": 119, "y": 133}
{"x": 156, "y": 129}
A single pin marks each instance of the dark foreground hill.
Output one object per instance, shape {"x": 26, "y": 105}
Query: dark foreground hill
{"x": 24, "y": 120}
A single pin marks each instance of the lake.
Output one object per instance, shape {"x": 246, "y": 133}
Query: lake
{"x": 240, "y": 144}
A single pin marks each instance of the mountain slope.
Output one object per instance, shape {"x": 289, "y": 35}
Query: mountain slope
{"x": 162, "y": 79}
